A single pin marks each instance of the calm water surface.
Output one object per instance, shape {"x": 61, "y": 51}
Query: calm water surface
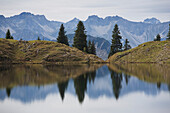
{"x": 85, "y": 88}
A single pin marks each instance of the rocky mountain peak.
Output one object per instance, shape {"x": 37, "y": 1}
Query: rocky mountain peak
{"x": 152, "y": 21}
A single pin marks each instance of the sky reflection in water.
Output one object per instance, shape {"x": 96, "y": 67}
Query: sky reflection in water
{"x": 107, "y": 89}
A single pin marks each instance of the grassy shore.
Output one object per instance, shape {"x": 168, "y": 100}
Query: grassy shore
{"x": 149, "y": 52}
{"x": 38, "y": 52}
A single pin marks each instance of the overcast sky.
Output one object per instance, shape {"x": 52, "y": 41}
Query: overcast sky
{"x": 65, "y": 10}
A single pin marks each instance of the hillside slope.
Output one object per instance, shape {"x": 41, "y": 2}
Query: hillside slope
{"x": 13, "y": 51}
{"x": 150, "y": 52}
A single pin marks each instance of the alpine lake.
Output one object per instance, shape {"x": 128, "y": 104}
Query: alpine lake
{"x": 129, "y": 88}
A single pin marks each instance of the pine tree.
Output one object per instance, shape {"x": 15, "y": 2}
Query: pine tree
{"x": 158, "y": 38}
{"x": 8, "y": 35}
{"x": 168, "y": 33}
{"x": 80, "y": 41}
{"x": 38, "y": 38}
{"x": 116, "y": 43}
{"x": 93, "y": 49}
{"x": 127, "y": 46}
{"x": 62, "y": 38}
{"x": 89, "y": 47}
{"x": 12, "y": 37}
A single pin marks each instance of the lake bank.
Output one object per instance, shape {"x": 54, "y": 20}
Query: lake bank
{"x": 42, "y": 52}
{"x": 150, "y": 52}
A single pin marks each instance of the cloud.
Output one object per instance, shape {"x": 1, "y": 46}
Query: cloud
{"x": 64, "y": 10}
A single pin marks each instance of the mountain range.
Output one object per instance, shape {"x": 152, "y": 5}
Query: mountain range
{"x": 29, "y": 26}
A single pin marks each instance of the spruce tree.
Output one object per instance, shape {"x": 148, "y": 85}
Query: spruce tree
{"x": 127, "y": 45}
{"x": 168, "y": 33}
{"x": 8, "y": 35}
{"x": 62, "y": 38}
{"x": 89, "y": 47}
{"x": 38, "y": 38}
{"x": 158, "y": 38}
{"x": 93, "y": 49}
{"x": 80, "y": 41}
{"x": 116, "y": 42}
{"x": 12, "y": 37}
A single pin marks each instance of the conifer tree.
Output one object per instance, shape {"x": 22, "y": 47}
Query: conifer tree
{"x": 116, "y": 42}
{"x": 89, "y": 47}
{"x": 93, "y": 49}
{"x": 38, "y": 38}
{"x": 80, "y": 41}
{"x": 127, "y": 45}
{"x": 158, "y": 38}
{"x": 168, "y": 33}
{"x": 8, "y": 35}
{"x": 62, "y": 38}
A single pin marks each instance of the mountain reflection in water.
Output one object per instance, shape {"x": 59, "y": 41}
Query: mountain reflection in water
{"x": 28, "y": 83}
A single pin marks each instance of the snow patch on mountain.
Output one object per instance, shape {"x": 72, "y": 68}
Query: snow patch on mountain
{"x": 4, "y": 29}
{"x": 100, "y": 30}
{"x": 49, "y": 37}
{"x": 152, "y": 21}
{"x": 46, "y": 28}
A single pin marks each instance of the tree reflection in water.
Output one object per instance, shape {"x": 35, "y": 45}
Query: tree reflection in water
{"x": 62, "y": 88}
{"x": 80, "y": 84}
{"x": 36, "y": 76}
{"x": 117, "y": 79}
{"x": 116, "y": 82}
{"x": 8, "y": 91}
